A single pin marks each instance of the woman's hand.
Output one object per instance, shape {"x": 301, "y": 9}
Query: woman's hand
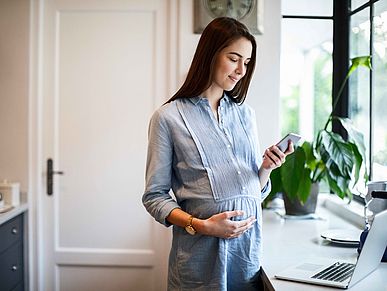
{"x": 274, "y": 157}
{"x": 221, "y": 225}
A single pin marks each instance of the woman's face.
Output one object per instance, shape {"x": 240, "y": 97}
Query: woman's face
{"x": 231, "y": 64}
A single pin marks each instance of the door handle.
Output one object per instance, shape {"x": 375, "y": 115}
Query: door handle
{"x": 50, "y": 176}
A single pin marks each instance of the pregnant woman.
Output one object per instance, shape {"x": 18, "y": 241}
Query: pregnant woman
{"x": 203, "y": 145}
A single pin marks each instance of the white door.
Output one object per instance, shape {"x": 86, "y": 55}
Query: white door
{"x": 104, "y": 71}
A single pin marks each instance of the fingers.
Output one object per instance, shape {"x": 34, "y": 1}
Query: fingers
{"x": 275, "y": 155}
{"x": 244, "y": 225}
{"x": 221, "y": 225}
{"x": 290, "y": 148}
{"x": 237, "y": 228}
{"x": 233, "y": 213}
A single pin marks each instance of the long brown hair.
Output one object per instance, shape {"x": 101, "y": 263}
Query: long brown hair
{"x": 218, "y": 34}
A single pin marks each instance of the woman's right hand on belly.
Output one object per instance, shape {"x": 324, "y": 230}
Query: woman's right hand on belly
{"x": 221, "y": 225}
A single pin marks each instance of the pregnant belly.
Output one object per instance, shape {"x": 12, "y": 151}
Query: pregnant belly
{"x": 205, "y": 208}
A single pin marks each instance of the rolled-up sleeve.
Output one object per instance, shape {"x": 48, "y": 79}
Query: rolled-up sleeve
{"x": 156, "y": 198}
{"x": 266, "y": 190}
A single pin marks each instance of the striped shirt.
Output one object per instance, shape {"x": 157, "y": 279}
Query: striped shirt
{"x": 211, "y": 166}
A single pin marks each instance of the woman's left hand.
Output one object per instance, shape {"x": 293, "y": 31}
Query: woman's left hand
{"x": 274, "y": 157}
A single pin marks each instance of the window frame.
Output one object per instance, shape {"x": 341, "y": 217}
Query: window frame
{"x": 341, "y": 18}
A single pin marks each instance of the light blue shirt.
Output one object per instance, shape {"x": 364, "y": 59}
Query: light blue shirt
{"x": 211, "y": 167}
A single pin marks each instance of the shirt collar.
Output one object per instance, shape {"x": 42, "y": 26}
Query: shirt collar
{"x": 197, "y": 99}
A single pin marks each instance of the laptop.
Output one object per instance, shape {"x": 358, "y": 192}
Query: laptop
{"x": 338, "y": 273}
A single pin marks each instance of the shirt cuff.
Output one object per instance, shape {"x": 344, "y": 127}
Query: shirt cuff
{"x": 266, "y": 190}
{"x": 165, "y": 211}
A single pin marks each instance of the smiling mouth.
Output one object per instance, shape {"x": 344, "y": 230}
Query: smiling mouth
{"x": 233, "y": 79}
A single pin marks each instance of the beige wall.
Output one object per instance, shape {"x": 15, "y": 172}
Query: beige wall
{"x": 14, "y": 46}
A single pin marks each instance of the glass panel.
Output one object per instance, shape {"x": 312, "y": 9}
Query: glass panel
{"x": 359, "y": 82}
{"x": 305, "y": 8}
{"x": 357, "y": 3}
{"x": 306, "y": 75}
{"x": 360, "y": 34}
{"x": 379, "y": 115}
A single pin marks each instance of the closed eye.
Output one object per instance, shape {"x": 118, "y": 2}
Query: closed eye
{"x": 235, "y": 57}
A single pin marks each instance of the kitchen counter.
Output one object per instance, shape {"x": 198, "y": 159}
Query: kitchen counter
{"x": 4, "y": 217}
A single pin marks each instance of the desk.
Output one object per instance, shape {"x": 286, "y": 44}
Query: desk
{"x": 288, "y": 242}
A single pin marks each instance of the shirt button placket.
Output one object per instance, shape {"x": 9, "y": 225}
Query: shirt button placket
{"x": 229, "y": 147}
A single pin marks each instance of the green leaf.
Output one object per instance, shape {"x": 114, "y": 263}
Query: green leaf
{"x": 338, "y": 184}
{"x": 311, "y": 159}
{"x": 319, "y": 172}
{"x": 291, "y": 170}
{"x": 305, "y": 185}
{"x": 354, "y": 135}
{"x": 364, "y": 61}
{"x": 356, "y": 138}
{"x": 334, "y": 169}
{"x": 325, "y": 156}
{"x": 295, "y": 176}
{"x": 340, "y": 152}
{"x": 276, "y": 184}
{"x": 358, "y": 161}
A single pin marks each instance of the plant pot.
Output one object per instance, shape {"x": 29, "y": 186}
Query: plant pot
{"x": 294, "y": 207}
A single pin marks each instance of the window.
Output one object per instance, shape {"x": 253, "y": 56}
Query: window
{"x": 307, "y": 70}
{"x": 368, "y": 95}
{"x": 306, "y": 75}
{"x": 306, "y": 67}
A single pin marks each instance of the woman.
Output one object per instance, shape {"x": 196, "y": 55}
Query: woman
{"x": 203, "y": 145}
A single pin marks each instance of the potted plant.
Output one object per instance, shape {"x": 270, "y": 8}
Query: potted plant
{"x": 328, "y": 157}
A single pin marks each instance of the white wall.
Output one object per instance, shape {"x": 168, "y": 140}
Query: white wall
{"x": 264, "y": 90}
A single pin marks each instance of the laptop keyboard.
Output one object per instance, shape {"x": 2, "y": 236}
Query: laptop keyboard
{"x": 337, "y": 272}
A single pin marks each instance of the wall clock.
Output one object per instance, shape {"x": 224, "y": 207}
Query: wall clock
{"x": 249, "y": 12}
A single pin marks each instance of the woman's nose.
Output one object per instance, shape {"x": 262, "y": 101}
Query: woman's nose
{"x": 241, "y": 69}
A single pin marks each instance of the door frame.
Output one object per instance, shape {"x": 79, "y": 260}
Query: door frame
{"x": 36, "y": 165}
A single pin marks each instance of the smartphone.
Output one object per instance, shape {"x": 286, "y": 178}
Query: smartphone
{"x": 283, "y": 143}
